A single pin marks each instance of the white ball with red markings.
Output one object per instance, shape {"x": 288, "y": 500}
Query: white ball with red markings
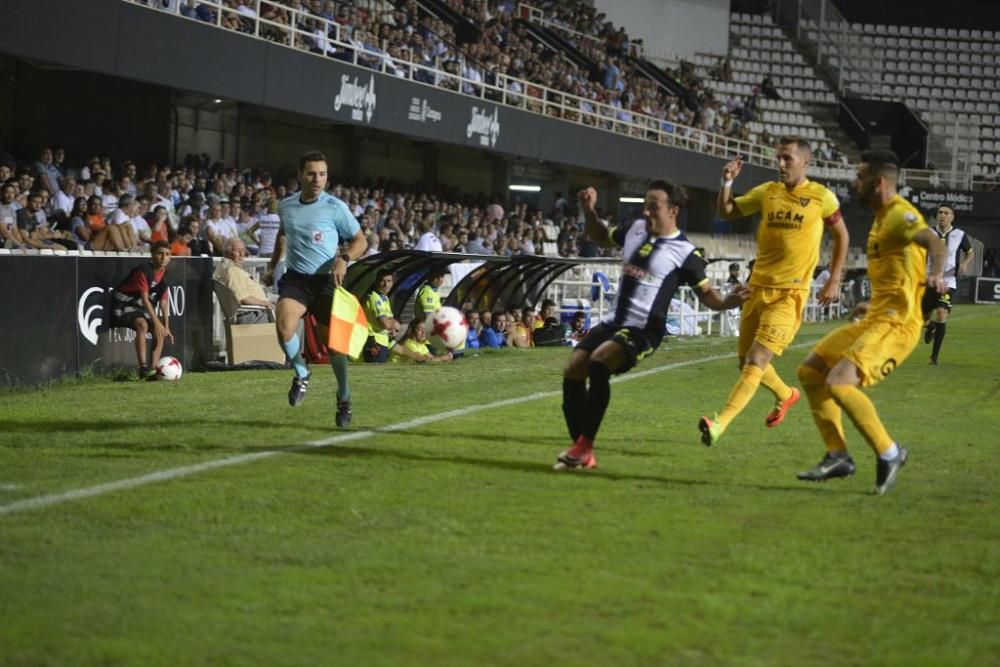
{"x": 169, "y": 368}
{"x": 447, "y": 327}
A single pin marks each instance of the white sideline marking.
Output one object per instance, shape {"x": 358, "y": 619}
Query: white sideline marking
{"x": 9, "y": 487}
{"x": 39, "y": 502}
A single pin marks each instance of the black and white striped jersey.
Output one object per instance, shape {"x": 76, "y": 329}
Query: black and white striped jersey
{"x": 957, "y": 242}
{"x": 654, "y": 267}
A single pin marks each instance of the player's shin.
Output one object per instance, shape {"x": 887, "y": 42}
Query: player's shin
{"x": 598, "y": 397}
{"x": 939, "y": 331}
{"x": 775, "y": 384}
{"x": 574, "y": 405}
{"x": 338, "y": 362}
{"x": 826, "y": 413}
{"x": 741, "y": 394}
{"x": 862, "y": 412}
{"x": 293, "y": 350}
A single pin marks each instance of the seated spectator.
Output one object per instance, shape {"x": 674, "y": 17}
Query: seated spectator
{"x": 133, "y": 306}
{"x": 382, "y": 326}
{"x": 121, "y": 218}
{"x": 33, "y": 226}
{"x": 768, "y": 90}
{"x": 577, "y": 327}
{"x": 522, "y": 335}
{"x": 428, "y": 300}
{"x": 159, "y": 224}
{"x": 412, "y": 347}
{"x": 180, "y": 243}
{"x": 498, "y": 334}
{"x": 218, "y": 228}
{"x": 548, "y": 310}
{"x": 472, "y": 338}
{"x": 247, "y": 290}
{"x": 734, "y": 274}
{"x": 9, "y": 234}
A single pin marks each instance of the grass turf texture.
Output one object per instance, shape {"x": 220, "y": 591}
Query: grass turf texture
{"x": 453, "y": 543}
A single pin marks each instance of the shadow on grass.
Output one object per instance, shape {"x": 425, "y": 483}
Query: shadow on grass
{"x": 8, "y": 425}
{"x": 534, "y": 467}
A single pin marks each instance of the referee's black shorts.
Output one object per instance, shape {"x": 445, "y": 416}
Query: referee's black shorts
{"x": 638, "y": 343}
{"x": 315, "y": 292}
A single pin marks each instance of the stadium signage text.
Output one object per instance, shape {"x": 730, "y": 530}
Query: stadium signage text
{"x": 485, "y": 125}
{"x": 421, "y": 111}
{"x": 360, "y": 98}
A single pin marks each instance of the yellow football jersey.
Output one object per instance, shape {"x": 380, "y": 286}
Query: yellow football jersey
{"x": 896, "y": 265}
{"x": 790, "y": 230}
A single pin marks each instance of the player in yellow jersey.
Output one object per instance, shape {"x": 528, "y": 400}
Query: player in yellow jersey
{"x": 793, "y": 212}
{"x": 865, "y": 352}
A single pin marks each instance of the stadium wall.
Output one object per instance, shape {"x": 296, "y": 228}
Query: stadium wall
{"x": 55, "y": 323}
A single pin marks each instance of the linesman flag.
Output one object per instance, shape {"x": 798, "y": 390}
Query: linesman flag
{"x": 348, "y": 324}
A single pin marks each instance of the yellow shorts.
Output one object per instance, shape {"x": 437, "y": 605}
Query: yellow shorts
{"x": 772, "y": 317}
{"x": 876, "y": 347}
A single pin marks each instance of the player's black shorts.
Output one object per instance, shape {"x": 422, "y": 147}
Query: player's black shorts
{"x": 638, "y": 343}
{"x": 315, "y": 292}
{"x": 932, "y": 300}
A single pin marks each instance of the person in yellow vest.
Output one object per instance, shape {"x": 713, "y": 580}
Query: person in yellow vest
{"x": 793, "y": 214}
{"x": 428, "y": 299}
{"x": 412, "y": 347}
{"x": 382, "y": 326}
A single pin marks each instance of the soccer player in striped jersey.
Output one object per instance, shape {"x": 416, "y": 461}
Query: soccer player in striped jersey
{"x": 936, "y": 306}
{"x": 865, "y": 352}
{"x": 793, "y": 212}
{"x": 658, "y": 258}
{"x": 313, "y": 223}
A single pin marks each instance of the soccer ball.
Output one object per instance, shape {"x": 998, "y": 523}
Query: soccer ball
{"x": 447, "y": 327}
{"x": 169, "y": 368}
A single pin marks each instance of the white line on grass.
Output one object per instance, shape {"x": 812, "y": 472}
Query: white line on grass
{"x": 40, "y": 502}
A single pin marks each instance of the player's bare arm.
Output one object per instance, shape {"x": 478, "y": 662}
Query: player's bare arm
{"x": 279, "y": 252}
{"x": 355, "y": 248}
{"x": 926, "y": 238}
{"x": 594, "y": 229}
{"x": 831, "y": 290}
{"x": 712, "y": 298}
{"x": 725, "y": 201}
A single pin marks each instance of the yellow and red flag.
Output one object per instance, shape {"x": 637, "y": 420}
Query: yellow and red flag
{"x": 348, "y": 324}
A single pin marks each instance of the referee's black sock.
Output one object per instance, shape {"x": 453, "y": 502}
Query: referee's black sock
{"x": 574, "y": 405}
{"x": 939, "y": 331}
{"x": 598, "y": 397}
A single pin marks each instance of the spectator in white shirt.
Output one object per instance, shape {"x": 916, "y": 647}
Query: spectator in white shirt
{"x": 62, "y": 202}
{"x": 428, "y": 239}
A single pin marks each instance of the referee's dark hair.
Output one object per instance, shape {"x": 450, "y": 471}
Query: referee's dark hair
{"x": 311, "y": 156}
{"x": 675, "y": 193}
{"x": 881, "y": 161}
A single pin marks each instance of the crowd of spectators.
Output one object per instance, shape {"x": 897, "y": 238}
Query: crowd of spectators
{"x": 515, "y": 67}
{"x": 197, "y": 206}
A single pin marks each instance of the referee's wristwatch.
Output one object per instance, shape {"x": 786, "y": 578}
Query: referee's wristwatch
{"x": 344, "y": 256}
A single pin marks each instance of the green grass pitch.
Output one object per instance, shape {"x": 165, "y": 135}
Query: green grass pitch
{"x": 452, "y": 542}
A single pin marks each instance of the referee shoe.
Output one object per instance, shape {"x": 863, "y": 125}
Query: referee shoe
{"x": 887, "y": 471}
{"x": 344, "y": 413}
{"x": 830, "y": 467}
{"x": 297, "y": 393}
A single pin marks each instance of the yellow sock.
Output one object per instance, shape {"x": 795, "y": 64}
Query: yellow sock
{"x": 775, "y": 384}
{"x": 741, "y": 394}
{"x": 862, "y": 412}
{"x": 825, "y": 411}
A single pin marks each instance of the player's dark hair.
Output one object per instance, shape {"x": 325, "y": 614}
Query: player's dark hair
{"x": 947, "y": 206}
{"x": 437, "y": 272}
{"x": 311, "y": 156}
{"x": 798, "y": 141}
{"x": 675, "y": 193}
{"x": 881, "y": 161}
{"x": 158, "y": 245}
